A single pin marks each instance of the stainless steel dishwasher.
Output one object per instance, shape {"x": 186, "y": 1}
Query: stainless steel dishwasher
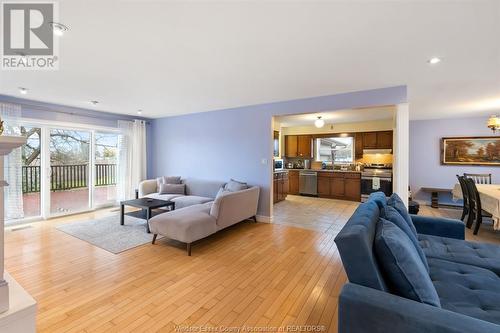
{"x": 308, "y": 182}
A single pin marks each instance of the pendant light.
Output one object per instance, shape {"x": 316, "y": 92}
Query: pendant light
{"x": 319, "y": 122}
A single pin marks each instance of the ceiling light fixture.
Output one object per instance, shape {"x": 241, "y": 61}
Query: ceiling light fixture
{"x": 434, "y": 60}
{"x": 23, "y": 91}
{"x": 94, "y": 103}
{"x": 319, "y": 122}
{"x": 58, "y": 28}
{"x": 139, "y": 112}
{"x": 494, "y": 123}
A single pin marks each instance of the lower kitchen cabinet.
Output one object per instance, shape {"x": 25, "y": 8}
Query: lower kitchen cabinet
{"x": 323, "y": 185}
{"x": 280, "y": 186}
{"x": 339, "y": 185}
{"x": 293, "y": 179}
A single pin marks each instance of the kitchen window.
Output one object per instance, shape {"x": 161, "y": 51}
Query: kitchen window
{"x": 336, "y": 149}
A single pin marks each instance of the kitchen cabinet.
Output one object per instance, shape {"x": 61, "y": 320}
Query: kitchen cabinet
{"x": 280, "y": 186}
{"x": 374, "y": 140}
{"x": 384, "y": 140}
{"x": 323, "y": 185}
{"x": 293, "y": 180}
{"x": 370, "y": 140}
{"x": 352, "y": 187}
{"x": 291, "y": 145}
{"x": 339, "y": 185}
{"x": 298, "y": 146}
{"x": 358, "y": 145}
{"x": 304, "y": 146}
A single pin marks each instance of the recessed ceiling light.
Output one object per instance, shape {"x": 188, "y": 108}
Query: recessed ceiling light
{"x": 58, "y": 28}
{"x": 434, "y": 60}
{"x": 94, "y": 103}
{"x": 23, "y": 91}
{"x": 139, "y": 111}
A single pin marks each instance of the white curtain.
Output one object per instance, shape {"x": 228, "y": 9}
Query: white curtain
{"x": 13, "y": 194}
{"x": 131, "y": 156}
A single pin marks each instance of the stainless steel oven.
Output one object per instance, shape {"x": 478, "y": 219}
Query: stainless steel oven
{"x": 376, "y": 177}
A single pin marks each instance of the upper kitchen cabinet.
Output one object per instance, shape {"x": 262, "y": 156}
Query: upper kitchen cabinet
{"x": 373, "y": 140}
{"x": 370, "y": 140}
{"x": 291, "y": 145}
{"x": 384, "y": 140}
{"x": 358, "y": 145}
{"x": 276, "y": 144}
{"x": 305, "y": 146}
{"x": 298, "y": 146}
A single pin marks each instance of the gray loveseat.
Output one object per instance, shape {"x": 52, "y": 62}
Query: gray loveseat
{"x": 200, "y": 212}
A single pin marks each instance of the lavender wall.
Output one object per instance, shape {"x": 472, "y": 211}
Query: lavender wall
{"x": 232, "y": 143}
{"x": 425, "y": 167}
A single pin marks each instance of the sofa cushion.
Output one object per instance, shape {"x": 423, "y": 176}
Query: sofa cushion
{"x": 189, "y": 200}
{"x": 396, "y": 202}
{"x": 392, "y": 215}
{"x": 234, "y": 186}
{"x": 355, "y": 244}
{"x": 379, "y": 198}
{"x": 466, "y": 289}
{"x": 186, "y": 225}
{"x": 166, "y": 188}
{"x": 214, "y": 211}
{"x": 202, "y": 188}
{"x": 167, "y": 180}
{"x": 159, "y": 196}
{"x": 477, "y": 254}
{"x": 405, "y": 271}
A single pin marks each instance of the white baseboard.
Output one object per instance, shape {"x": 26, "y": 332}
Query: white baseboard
{"x": 264, "y": 219}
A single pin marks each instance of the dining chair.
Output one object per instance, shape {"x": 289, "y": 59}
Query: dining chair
{"x": 466, "y": 217}
{"x": 475, "y": 210}
{"x": 479, "y": 178}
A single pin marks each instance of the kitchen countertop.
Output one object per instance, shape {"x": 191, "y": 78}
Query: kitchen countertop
{"x": 324, "y": 170}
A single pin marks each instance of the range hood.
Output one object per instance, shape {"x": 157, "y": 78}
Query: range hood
{"x": 377, "y": 151}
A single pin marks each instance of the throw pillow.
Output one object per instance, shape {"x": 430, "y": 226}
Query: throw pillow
{"x": 379, "y": 198}
{"x": 214, "y": 210}
{"x": 167, "y": 180}
{"x": 391, "y": 214}
{"x": 234, "y": 185}
{"x": 396, "y": 202}
{"x": 400, "y": 262}
{"x": 173, "y": 189}
{"x": 172, "y": 179}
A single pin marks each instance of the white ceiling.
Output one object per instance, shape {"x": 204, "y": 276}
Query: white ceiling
{"x": 338, "y": 116}
{"x": 174, "y": 57}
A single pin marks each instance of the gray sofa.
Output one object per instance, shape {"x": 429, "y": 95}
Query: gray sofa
{"x": 200, "y": 213}
{"x": 198, "y": 191}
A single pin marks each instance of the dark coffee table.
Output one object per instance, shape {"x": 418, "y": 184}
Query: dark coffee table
{"x": 146, "y": 205}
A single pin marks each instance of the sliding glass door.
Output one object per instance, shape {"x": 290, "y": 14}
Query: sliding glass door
{"x": 61, "y": 171}
{"x": 106, "y": 168}
{"x": 69, "y": 171}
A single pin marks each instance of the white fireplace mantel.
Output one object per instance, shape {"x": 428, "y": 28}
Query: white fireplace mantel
{"x": 17, "y": 307}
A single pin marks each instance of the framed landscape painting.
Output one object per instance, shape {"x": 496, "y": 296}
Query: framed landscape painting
{"x": 482, "y": 150}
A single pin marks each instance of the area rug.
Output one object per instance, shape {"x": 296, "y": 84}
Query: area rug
{"x": 108, "y": 234}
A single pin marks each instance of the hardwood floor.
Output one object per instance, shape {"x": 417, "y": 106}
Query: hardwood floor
{"x": 252, "y": 274}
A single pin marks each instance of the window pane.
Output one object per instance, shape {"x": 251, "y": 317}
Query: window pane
{"x": 69, "y": 168}
{"x": 106, "y": 171}
{"x": 337, "y": 149}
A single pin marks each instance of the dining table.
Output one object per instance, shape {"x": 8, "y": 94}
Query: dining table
{"x": 490, "y": 200}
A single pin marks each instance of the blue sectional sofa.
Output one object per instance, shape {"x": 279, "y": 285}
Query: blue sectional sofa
{"x": 432, "y": 281}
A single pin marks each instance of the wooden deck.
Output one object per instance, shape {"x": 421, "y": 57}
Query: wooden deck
{"x": 251, "y": 274}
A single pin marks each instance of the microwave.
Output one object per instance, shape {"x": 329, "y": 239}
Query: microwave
{"x": 279, "y": 164}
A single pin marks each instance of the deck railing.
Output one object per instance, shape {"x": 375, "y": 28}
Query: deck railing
{"x": 67, "y": 177}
